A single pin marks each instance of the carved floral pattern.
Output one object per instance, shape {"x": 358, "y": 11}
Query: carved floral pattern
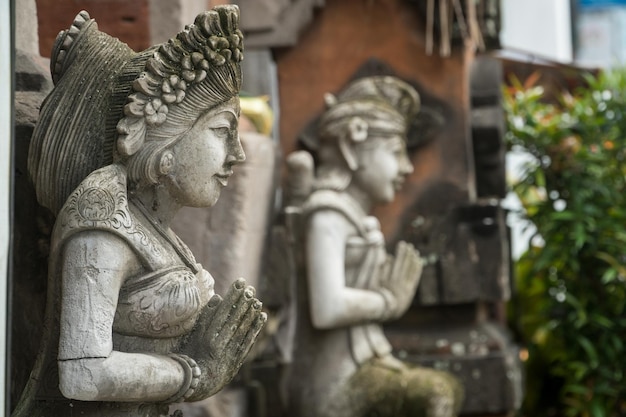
{"x": 165, "y": 304}
{"x": 101, "y": 202}
{"x": 96, "y": 204}
{"x": 211, "y": 42}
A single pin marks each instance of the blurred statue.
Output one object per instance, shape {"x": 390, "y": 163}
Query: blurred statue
{"x": 342, "y": 362}
{"x": 124, "y": 141}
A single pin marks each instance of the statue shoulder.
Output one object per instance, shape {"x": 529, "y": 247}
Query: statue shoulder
{"x": 334, "y": 201}
{"x": 99, "y": 202}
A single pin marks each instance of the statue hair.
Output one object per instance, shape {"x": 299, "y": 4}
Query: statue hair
{"x": 112, "y": 104}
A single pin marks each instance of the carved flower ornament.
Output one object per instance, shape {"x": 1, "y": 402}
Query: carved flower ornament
{"x": 176, "y": 65}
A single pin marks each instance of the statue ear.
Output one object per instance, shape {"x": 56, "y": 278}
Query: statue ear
{"x": 165, "y": 163}
{"x": 346, "y": 147}
{"x": 358, "y": 129}
{"x": 357, "y": 132}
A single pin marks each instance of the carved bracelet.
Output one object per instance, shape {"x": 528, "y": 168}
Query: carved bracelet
{"x": 389, "y": 300}
{"x": 192, "y": 377}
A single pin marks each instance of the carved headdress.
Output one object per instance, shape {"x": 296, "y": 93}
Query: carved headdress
{"x": 379, "y": 106}
{"x": 386, "y": 104}
{"x": 111, "y": 103}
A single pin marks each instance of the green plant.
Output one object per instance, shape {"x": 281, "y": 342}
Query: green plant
{"x": 571, "y": 282}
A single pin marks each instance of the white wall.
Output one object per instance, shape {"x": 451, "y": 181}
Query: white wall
{"x": 5, "y": 163}
{"x": 538, "y": 27}
{"x": 602, "y": 37}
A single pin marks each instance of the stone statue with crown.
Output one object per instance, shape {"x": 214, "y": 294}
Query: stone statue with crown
{"x": 124, "y": 140}
{"x": 347, "y": 284}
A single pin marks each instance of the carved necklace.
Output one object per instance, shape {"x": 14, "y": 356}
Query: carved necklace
{"x": 179, "y": 247}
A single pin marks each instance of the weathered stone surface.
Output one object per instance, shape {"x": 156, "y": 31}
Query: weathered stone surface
{"x": 346, "y": 285}
{"x": 468, "y": 255}
{"x": 132, "y": 321}
{"x": 480, "y": 355}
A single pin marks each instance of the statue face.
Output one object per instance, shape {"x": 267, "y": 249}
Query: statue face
{"x": 204, "y": 157}
{"x": 383, "y": 165}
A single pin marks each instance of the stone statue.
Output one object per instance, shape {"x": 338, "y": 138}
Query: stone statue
{"x": 124, "y": 141}
{"x": 342, "y": 363}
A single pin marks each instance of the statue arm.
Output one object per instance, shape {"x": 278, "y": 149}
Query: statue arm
{"x": 121, "y": 377}
{"x": 332, "y": 303}
{"x": 94, "y": 266}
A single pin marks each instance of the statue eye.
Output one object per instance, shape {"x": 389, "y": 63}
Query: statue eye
{"x": 221, "y": 132}
{"x": 397, "y": 147}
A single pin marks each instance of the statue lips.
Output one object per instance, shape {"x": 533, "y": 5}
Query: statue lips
{"x": 223, "y": 178}
{"x": 398, "y": 183}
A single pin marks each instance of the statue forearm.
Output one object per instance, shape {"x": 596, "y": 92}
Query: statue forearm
{"x": 121, "y": 377}
{"x": 348, "y": 307}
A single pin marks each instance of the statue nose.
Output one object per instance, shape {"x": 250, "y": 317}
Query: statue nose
{"x": 406, "y": 166}
{"x": 236, "y": 154}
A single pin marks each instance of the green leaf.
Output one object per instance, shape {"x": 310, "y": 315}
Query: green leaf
{"x": 601, "y": 320}
{"x": 563, "y": 215}
{"x": 576, "y": 389}
{"x": 579, "y": 235}
{"x": 609, "y": 275}
{"x": 590, "y": 350}
{"x": 597, "y": 409}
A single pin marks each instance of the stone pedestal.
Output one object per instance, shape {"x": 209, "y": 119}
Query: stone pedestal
{"x": 490, "y": 371}
{"x": 457, "y": 321}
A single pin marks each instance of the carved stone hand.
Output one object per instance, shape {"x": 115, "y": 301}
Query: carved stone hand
{"x": 224, "y": 333}
{"x": 400, "y": 276}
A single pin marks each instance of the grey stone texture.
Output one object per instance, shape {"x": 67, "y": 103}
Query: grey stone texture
{"x": 345, "y": 283}
{"x": 122, "y": 142}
